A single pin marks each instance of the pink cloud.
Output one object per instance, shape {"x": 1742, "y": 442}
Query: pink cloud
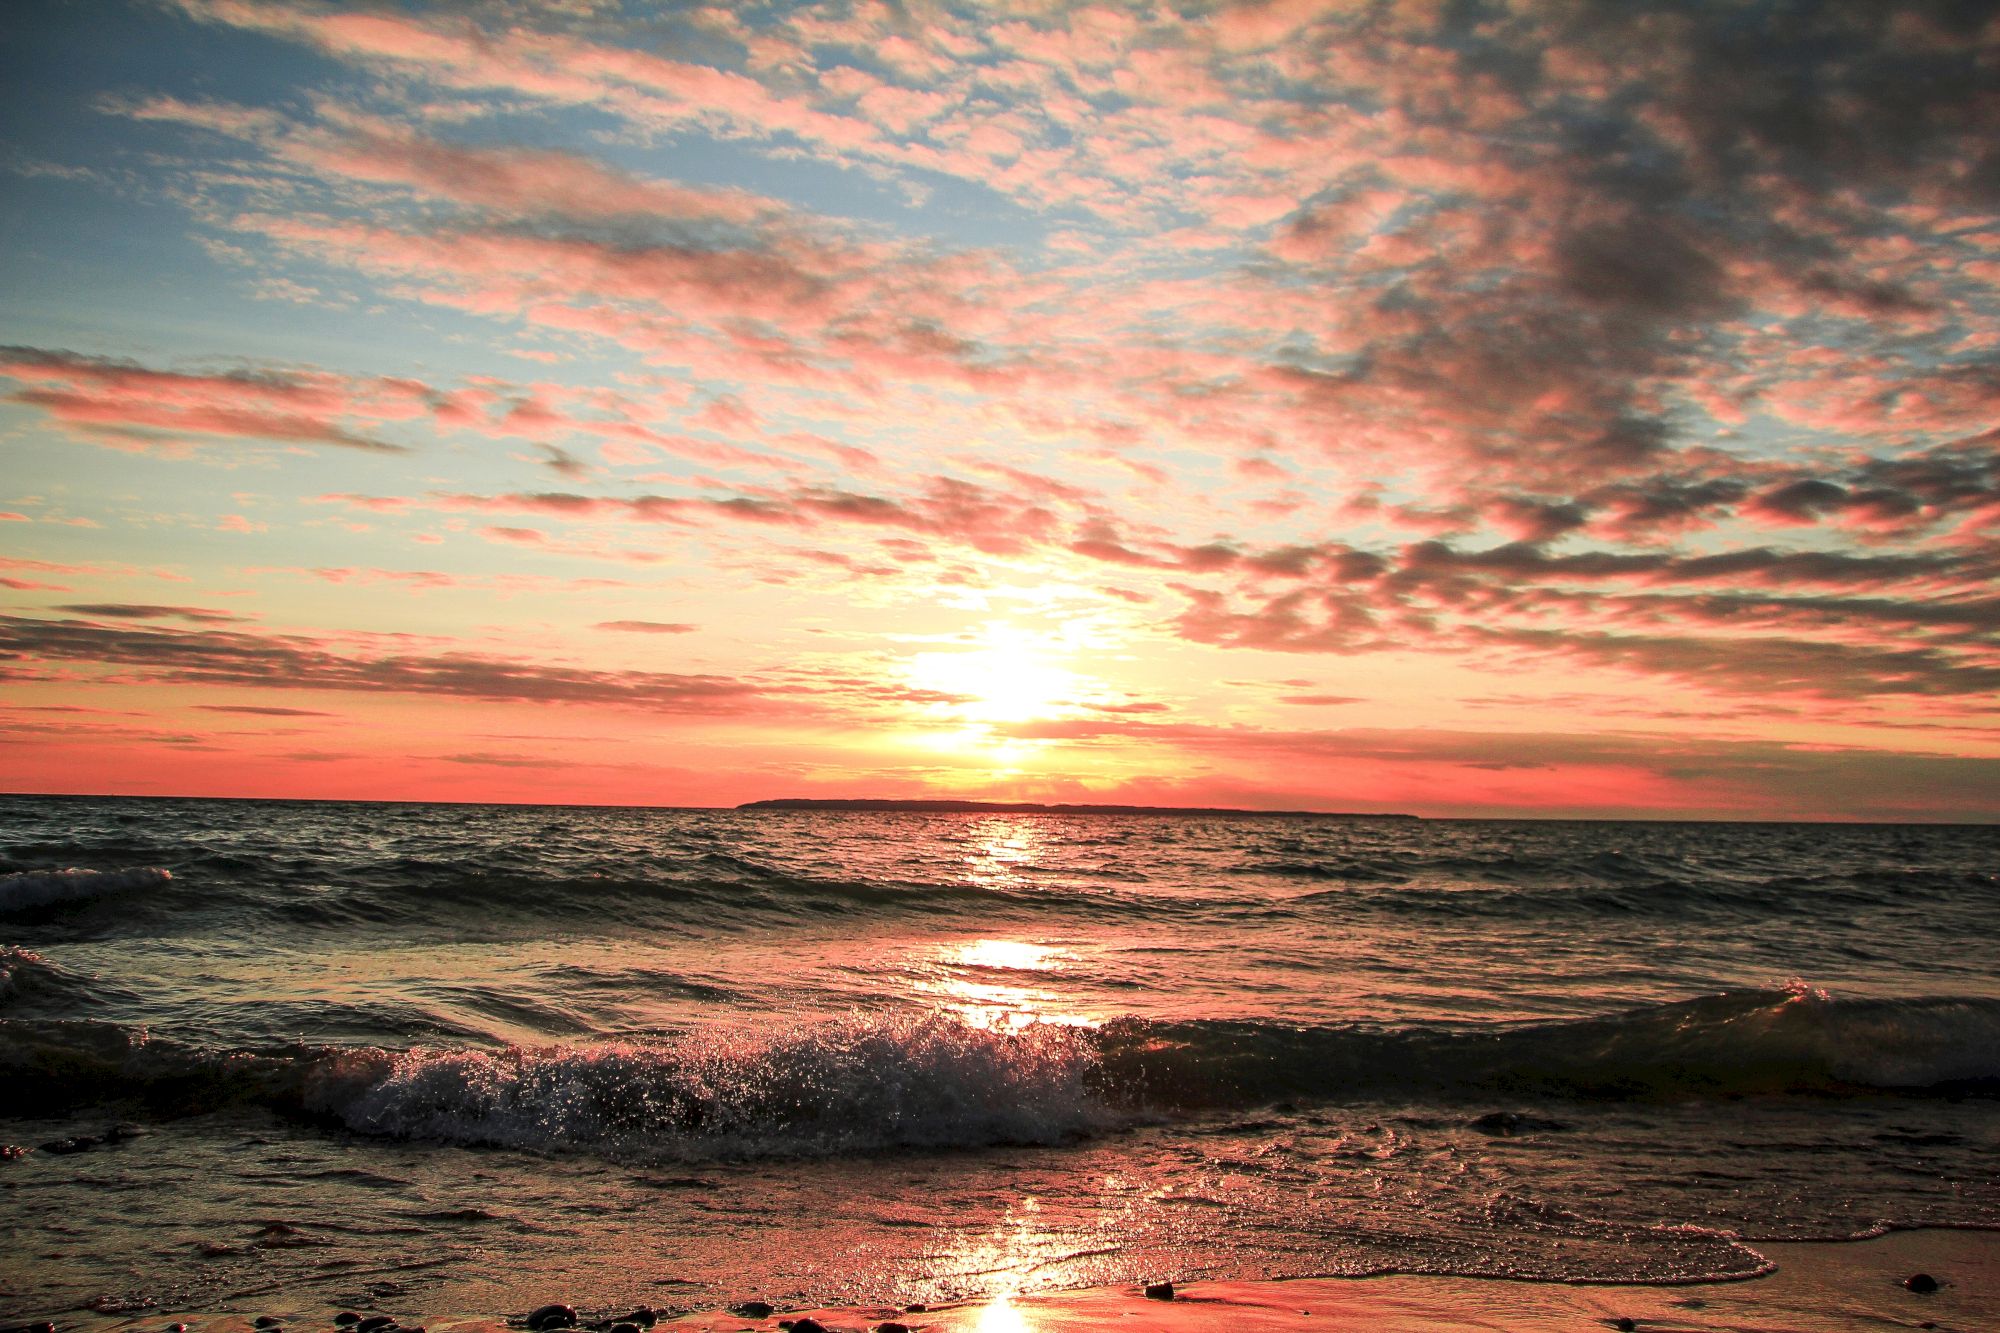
{"x": 120, "y": 402}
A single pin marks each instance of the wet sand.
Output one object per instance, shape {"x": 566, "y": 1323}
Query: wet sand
{"x": 1847, "y": 1287}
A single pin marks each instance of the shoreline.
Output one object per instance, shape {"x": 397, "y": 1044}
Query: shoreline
{"x": 1846, "y": 1286}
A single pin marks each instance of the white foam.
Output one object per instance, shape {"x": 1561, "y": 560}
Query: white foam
{"x": 855, "y": 1084}
{"x": 39, "y": 888}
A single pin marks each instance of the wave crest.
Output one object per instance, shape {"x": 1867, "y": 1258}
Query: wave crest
{"x": 25, "y": 889}
{"x": 846, "y": 1085}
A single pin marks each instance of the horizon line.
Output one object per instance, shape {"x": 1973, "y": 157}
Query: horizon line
{"x": 749, "y": 808}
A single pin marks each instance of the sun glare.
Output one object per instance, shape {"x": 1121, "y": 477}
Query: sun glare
{"x": 1007, "y": 677}
{"x": 1000, "y": 1316}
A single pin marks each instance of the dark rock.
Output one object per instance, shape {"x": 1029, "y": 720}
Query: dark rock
{"x": 346, "y": 1317}
{"x": 1624, "y": 1324}
{"x": 1159, "y": 1291}
{"x": 645, "y": 1317}
{"x": 374, "y": 1322}
{"x": 1921, "y": 1283}
{"x": 549, "y": 1316}
{"x": 806, "y": 1325}
{"x": 75, "y": 1143}
{"x": 624, "y": 1326}
{"x": 177, "y": 1328}
{"x": 751, "y": 1309}
{"x": 916, "y": 1307}
{"x": 891, "y": 1326}
{"x": 268, "y": 1321}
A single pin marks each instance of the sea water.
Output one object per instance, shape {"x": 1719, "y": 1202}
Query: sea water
{"x": 293, "y": 1055}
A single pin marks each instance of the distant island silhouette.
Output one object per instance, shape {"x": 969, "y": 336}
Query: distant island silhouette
{"x": 1040, "y": 808}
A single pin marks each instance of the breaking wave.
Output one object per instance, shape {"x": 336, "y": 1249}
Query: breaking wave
{"x": 864, "y": 1084}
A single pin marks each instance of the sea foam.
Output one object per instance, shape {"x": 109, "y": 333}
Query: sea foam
{"x": 856, "y": 1084}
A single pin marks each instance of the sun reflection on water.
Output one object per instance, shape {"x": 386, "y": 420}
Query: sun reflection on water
{"x": 1000, "y": 1316}
{"x": 990, "y": 998}
{"x": 1009, "y": 956}
{"x": 1004, "y": 851}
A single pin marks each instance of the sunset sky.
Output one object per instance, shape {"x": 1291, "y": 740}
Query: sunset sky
{"x": 1563, "y": 408}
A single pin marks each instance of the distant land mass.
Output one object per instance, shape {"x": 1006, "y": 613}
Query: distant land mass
{"x": 1039, "y": 808}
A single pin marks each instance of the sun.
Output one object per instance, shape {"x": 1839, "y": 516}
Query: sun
{"x": 1007, "y": 677}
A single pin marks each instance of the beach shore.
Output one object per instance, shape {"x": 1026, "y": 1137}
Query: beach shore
{"x": 1844, "y": 1287}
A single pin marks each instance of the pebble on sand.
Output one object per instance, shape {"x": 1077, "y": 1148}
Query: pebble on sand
{"x": 1921, "y": 1283}
{"x": 1159, "y": 1291}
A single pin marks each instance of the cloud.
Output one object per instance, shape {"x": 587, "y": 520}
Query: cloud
{"x": 261, "y": 661}
{"x": 130, "y": 611}
{"x": 487, "y": 759}
{"x": 257, "y": 710}
{"x": 648, "y": 626}
{"x": 126, "y": 404}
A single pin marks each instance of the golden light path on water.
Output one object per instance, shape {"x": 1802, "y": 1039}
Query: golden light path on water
{"x": 1003, "y": 854}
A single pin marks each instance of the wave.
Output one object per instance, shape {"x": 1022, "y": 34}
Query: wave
{"x": 864, "y": 1084}
{"x": 1739, "y": 1043}
{"x": 24, "y": 972}
{"x": 498, "y": 881}
{"x": 24, "y": 890}
{"x": 843, "y": 1086}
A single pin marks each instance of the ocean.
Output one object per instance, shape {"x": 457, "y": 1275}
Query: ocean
{"x": 292, "y": 1055}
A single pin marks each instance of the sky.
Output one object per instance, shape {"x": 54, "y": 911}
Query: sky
{"x": 1566, "y": 408}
